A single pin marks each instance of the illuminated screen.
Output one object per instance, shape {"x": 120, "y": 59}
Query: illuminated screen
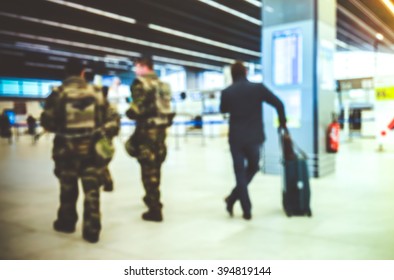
{"x": 9, "y": 87}
{"x": 11, "y": 116}
{"x": 287, "y": 57}
{"x": 29, "y": 88}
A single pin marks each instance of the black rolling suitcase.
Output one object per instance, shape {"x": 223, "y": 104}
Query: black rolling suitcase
{"x": 296, "y": 189}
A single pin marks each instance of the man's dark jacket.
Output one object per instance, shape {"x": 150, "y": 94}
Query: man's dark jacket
{"x": 244, "y": 101}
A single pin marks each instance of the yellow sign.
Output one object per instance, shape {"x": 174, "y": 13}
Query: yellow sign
{"x": 384, "y": 93}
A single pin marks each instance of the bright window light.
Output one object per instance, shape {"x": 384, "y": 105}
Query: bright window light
{"x": 176, "y": 80}
{"x": 379, "y": 36}
{"x": 389, "y": 5}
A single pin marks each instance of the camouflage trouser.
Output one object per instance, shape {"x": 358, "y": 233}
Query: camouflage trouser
{"x": 151, "y": 154}
{"x": 69, "y": 171}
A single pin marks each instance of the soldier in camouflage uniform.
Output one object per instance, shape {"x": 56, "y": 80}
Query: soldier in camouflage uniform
{"x": 147, "y": 144}
{"x": 77, "y": 113}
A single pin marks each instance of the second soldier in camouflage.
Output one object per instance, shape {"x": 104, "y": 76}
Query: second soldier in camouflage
{"x": 151, "y": 110}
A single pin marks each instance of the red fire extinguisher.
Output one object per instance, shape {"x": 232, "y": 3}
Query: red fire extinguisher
{"x": 391, "y": 125}
{"x": 333, "y": 136}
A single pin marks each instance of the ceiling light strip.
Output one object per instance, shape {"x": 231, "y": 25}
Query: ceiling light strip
{"x": 13, "y": 53}
{"x": 202, "y": 40}
{"x": 341, "y": 44}
{"x": 121, "y": 38}
{"x": 63, "y": 53}
{"x": 58, "y": 58}
{"x": 127, "y": 54}
{"x": 373, "y": 17}
{"x": 186, "y": 63}
{"x": 44, "y": 65}
{"x": 346, "y": 46}
{"x": 389, "y": 5}
{"x": 71, "y": 43}
{"x": 358, "y": 36}
{"x": 232, "y": 11}
{"x": 255, "y": 2}
{"x": 32, "y": 47}
{"x": 156, "y": 27}
{"x": 94, "y": 11}
{"x": 353, "y": 37}
{"x": 358, "y": 21}
{"x": 111, "y": 50}
{"x": 105, "y": 59}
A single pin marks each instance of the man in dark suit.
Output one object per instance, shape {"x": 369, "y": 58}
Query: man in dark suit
{"x": 244, "y": 101}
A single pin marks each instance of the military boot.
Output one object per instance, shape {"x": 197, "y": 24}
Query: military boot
{"x": 153, "y": 215}
{"x": 90, "y": 236}
{"x": 108, "y": 187}
{"x": 63, "y": 227}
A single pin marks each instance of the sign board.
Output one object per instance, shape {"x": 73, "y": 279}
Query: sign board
{"x": 287, "y": 54}
{"x": 384, "y": 93}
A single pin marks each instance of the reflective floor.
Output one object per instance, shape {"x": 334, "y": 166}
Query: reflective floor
{"x": 353, "y": 209}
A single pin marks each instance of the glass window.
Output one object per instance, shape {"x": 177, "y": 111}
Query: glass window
{"x": 177, "y": 80}
{"x": 212, "y": 80}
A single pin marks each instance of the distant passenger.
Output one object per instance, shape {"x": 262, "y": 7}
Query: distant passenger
{"x": 78, "y": 114}
{"x": 152, "y": 111}
{"x": 5, "y": 127}
{"x": 107, "y": 178}
{"x": 244, "y": 101}
{"x": 31, "y": 125}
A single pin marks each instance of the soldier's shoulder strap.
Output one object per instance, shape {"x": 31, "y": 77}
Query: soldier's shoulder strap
{"x": 57, "y": 90}
{"x": 98, "y": 90}
{"x": 146, "y": 83}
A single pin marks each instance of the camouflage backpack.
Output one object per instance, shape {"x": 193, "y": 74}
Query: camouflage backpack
{"x": 81, "y": 111}
{"x": 79, "y": 108}
{"x": 162, "y": 101}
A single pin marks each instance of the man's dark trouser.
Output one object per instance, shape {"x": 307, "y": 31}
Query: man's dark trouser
{"x": 246, "y": 164}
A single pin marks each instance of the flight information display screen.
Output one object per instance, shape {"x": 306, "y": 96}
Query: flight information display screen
{"x": 26, "y": 88}
{"x": 287, "y": 57}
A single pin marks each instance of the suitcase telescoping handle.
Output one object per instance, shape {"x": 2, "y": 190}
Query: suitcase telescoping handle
{"x": 284, "y": 132}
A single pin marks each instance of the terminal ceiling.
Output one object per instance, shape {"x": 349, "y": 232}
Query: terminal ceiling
{"x": 38, "y": 36}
